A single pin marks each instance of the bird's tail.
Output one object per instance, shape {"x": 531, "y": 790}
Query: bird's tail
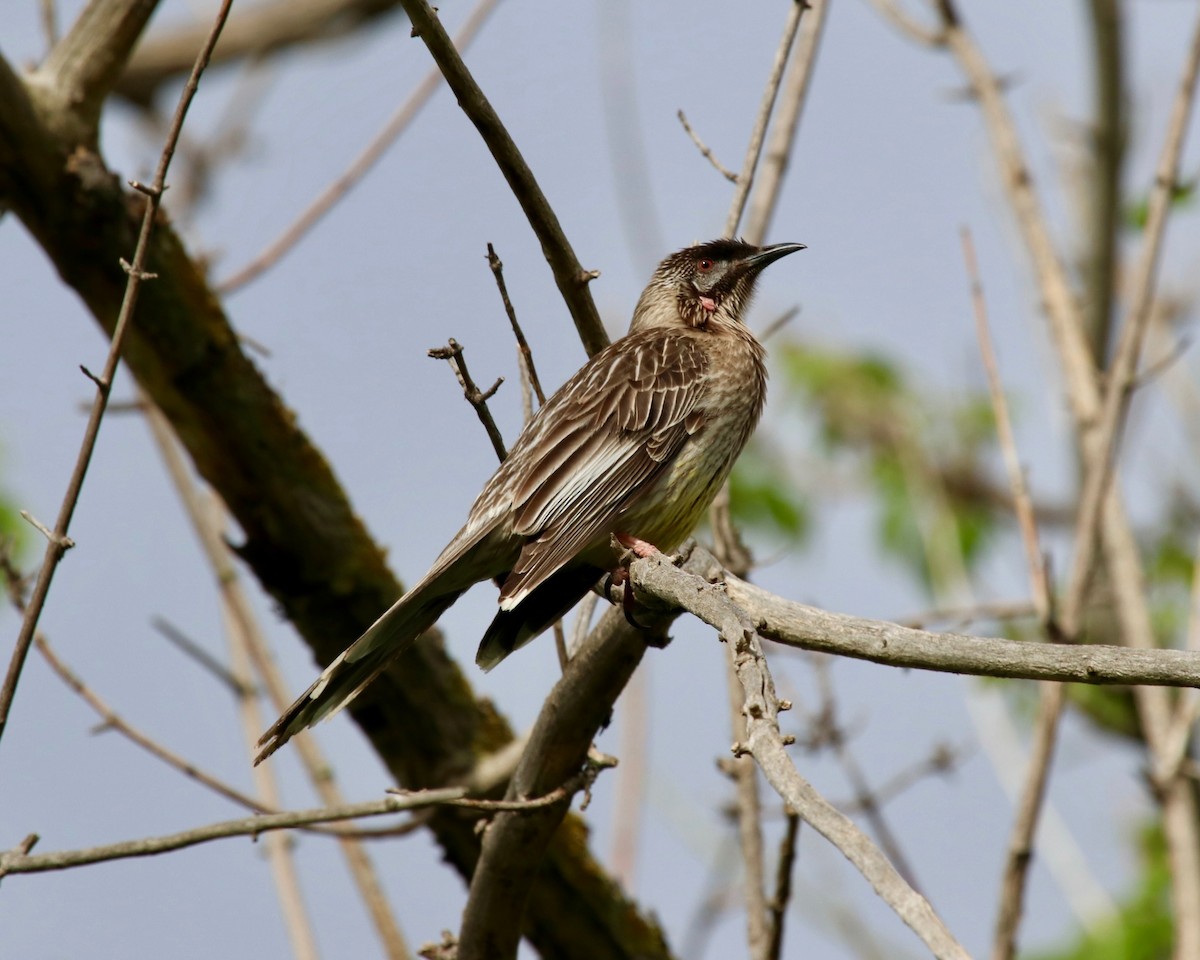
{"x": 361, "y": 662}
{"x": 548, "y": 601}
{"x": 470, "y": 557}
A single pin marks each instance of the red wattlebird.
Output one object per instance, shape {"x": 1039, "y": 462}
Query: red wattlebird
{"x": 635, "y": 445}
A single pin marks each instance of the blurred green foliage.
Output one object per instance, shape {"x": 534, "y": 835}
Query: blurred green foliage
{"x": 923, "y": 458}
{"x": 1183, "y": 195}
{"x": 1142, "y": 927}
{"x": 13, "y": 530}
{"x": 930, "y": 465}
{"x": 763, "y": 497}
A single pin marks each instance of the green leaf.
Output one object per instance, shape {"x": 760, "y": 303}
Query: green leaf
{"x": 763, "y": 497}
{"x": 1142, "y": 927}
{"x": 1183, "y": 194}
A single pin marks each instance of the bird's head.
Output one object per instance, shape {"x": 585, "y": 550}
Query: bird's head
{"x": 710, "y": 282}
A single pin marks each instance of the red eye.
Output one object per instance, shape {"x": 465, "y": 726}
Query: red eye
{"x": 704, "y": 264}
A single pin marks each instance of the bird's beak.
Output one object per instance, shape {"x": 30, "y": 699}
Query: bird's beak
{"x": 769, "y": 254}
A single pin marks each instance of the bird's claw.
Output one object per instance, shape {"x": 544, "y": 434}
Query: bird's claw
{"x": 620, "y": 578}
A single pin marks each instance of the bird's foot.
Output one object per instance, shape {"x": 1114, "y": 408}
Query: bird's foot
{"x": 635, "y": 545}
{"x": 620, "y": 578}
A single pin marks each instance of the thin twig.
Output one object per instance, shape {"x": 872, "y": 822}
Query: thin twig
{"x": 583, "y": 620}
{"x": 783, "y": 881}
{"x": 278, "y": 847}
{"x": 622, "y": 96}
{"x": 560, "y": 646}
{"x": 114, "y": 721}
{"x": 765, "y": 199}
{"x": 629, "y": 800}
{"x": 705, "y": 150}
{"x": 49, "y": 16}
{"x": 963, "y": 616}
{"x": 1101, "y": 441}
{"x": 14, "y": 862}
{"x": 1022, "y": 503}
{"x": 1179, "y": 735}
{"x": 733, "y": 552}
{"x": 452, "y": 353}
{"x": 111, "y": 720}
{"x": 396, "y": 124}
{"x": 745, "y": 178}
{"x": 181, "y": 641}
{"x": 522, "y": 344}
{"x": 251, "y": 648}
{"x": 779, "y": 322}
{"x": 65, "y": 542}
{"x": 1120, "y": 547}
{"x": 744, "y": 774}
{"x": 715, "y": 900}
{"x": 942, "y": 759}
{"x": 137, "y": 273}
{"x": 830, "y": 731}
{"x": 1052, "y": 696}
{"x": 1019, "y": 855}
{"x": 572, "y": 280}
{"x": 928, "y": 36}
{"x": 1105, "y": 157}
{"x": 658, "y": 577}
{"x": 581, "y": 781}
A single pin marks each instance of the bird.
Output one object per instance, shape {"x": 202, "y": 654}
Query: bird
{"x": 633, "y": 447}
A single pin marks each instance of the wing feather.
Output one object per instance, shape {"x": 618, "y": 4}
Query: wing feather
{"x": 617, "y": 426}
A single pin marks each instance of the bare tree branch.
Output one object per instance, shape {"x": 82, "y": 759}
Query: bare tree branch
{"x": 748, "y": 805}
{"x": 728, "y": 541}
{"x": 278, "y": 848}
{"x": 513, "y": 844}
{"x": 928, "y": 36}
{"x": 1106, "y": 156}
{"x": 114, "y": 721}
{"x": 745, "y": 179}
{"x": 783, "y": 882}
{"x": 49, "y": 14}
{"x": 1100, "y": 442}
{"x": 497, "y": 268}
{"x": 452, "y": 353}
{"x": 13, "y": 861}
{"x": 571, "y": 278}
{"x": 764, "y": 199}
{"x": 1060, "y": 301}
{"x": 810, "y": 628}
{"x": 658, "y": 577}
{"x": 1052, "y": 696}
{"x": 705, "y": 150}
{"x": 250, "y": 647}
{"x": 82, "y": 68}
{"x": 1120, "y": 548}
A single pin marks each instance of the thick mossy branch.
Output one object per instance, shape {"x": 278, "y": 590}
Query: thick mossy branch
{"x": 302, "y": 537}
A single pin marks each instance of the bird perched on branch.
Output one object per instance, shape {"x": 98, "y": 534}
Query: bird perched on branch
{"x": 634, "y": 446}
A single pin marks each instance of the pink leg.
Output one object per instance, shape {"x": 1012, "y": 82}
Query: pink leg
{"x": 640, "y": 547}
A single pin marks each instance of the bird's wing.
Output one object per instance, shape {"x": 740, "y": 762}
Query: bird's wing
{"x": 614, "y": 429}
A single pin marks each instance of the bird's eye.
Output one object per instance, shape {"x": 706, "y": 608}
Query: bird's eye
{"x": 704, "y": 264}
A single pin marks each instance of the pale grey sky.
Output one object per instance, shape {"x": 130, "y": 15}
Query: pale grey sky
{"x": 890, "y": 164}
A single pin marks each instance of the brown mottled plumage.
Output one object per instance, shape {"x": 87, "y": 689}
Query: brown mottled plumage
{"x": 637, "y": 443}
